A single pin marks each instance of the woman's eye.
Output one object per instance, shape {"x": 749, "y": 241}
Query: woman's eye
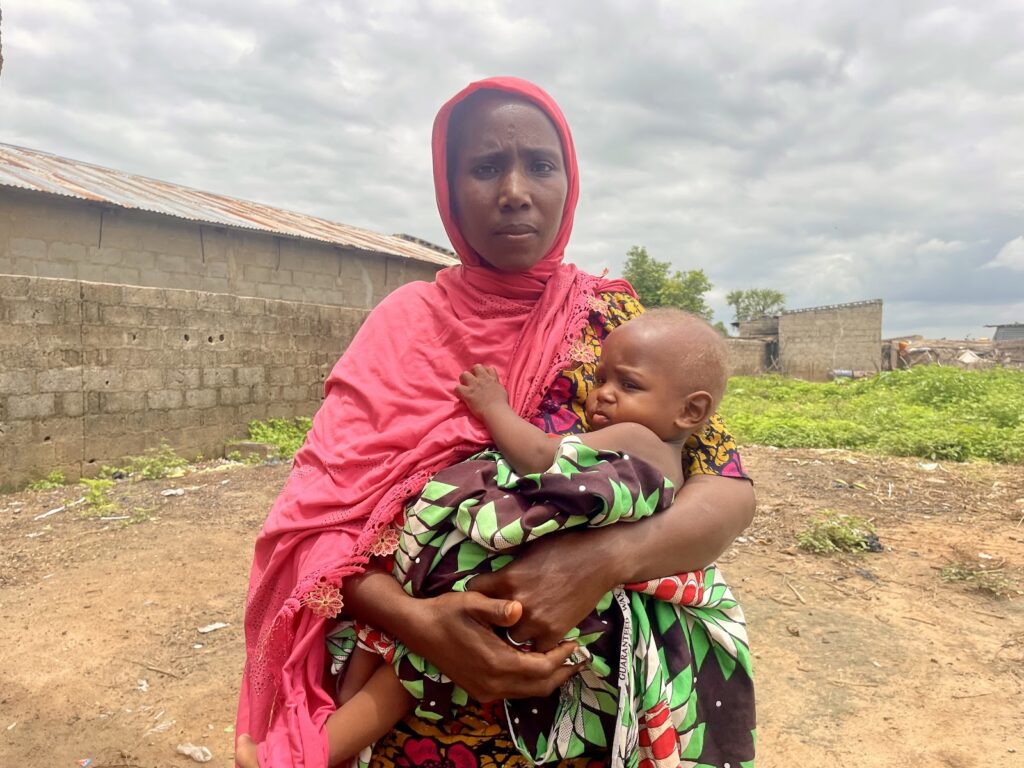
{"x": 485, "y": 170}
{"x": 543, "y": 166}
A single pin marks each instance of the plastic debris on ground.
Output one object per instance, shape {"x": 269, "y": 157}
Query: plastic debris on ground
{"x": 173, "y": 492}
{"x": 85, "y": 762}
{"x": 199, "y": 754}
{"x": 212, "y": 627}
{"x": 160, "y": 727}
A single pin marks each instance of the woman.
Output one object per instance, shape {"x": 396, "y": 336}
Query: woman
{"x": 506, "y": 183}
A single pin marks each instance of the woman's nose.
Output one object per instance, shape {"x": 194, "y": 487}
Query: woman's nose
{"x": 514, "y": 192}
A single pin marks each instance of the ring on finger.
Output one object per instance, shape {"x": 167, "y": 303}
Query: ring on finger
{"x": 526, "y": 644}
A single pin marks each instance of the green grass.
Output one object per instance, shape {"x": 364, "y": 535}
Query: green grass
{"x": 154, "y": 464}
{"x": 835, "y": 532}
{"x": 287, "y": 434}
{"x": 51, "y": 482}
{"x": 930, "y": 411}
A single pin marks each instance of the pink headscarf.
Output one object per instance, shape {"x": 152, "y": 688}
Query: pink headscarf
{"x": 389, "y": 421}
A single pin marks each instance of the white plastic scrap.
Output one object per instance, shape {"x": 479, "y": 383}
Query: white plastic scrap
{"x": 173, "y": 492}
{"x": 199, "y": 754}
{"x": 160, "y": 727}
{"x": 212, "y": 627}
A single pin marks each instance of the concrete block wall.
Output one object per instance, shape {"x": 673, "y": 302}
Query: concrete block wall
{"x": 815, "y": 341}
{"x": 51, "y": 236}
{"x": 760, "y": 326}
{"x": 93, "y": 372}
{"x": 747, "y": 357}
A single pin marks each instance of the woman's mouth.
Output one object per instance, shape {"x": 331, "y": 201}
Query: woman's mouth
{"x": 516, "y": 231}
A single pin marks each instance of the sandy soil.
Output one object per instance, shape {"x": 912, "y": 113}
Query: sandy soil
{"x": 867, "y": 660}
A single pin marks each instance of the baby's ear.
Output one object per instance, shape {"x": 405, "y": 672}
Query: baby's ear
{"x": 696, "y": 409}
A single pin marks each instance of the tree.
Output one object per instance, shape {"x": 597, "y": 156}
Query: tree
{"x": 756, "y": 302}
{"x": 658, "y": 288}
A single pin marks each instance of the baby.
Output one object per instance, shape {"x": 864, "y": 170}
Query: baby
{"x": 660, "y": 377}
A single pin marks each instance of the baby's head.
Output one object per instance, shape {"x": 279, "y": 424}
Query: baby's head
{"x": 665, "y": 369}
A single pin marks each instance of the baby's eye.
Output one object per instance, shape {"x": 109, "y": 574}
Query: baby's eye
{"x": 629, "y": 385}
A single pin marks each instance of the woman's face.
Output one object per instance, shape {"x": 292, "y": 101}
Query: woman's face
{"x": 508, "y": 181}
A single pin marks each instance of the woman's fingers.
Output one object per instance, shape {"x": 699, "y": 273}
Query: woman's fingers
{"x": 498, "y": 613}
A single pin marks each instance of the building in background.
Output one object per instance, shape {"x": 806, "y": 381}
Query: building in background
{"x": 811, "y": 343}
{"x": 135, "y": 311}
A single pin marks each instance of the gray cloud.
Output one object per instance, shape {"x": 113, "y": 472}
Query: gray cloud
{"x": 816, "y": 148}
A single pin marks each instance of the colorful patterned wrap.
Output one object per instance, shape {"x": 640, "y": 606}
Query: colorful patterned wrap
{"x": 688, "y": 681}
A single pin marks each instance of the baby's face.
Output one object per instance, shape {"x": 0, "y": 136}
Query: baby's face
{"x": 636, "y": 382}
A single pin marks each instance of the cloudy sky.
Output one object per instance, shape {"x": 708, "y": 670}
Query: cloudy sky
{"x": 834, "y": 150}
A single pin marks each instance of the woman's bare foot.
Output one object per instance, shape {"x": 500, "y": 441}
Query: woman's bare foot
{"x": 245, "y": 752}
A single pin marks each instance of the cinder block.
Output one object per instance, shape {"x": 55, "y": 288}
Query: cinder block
{"x": 122, "y": 274}
{"x": 218, "y": 377}
{"x": 73, "y": 404}
{"x": 268, "y": 291}
{"x": 201, "y": 398}
{"x": 186, "y": 300}
{"x": 120, "y": 402}
{"x": 184, "y": 378}
{"x": 235, "y": 395}
{"x": 250, "y": 375}
{"x": 164, "y": 399}
{"x": 16, "y": 382}
{"x": 31, "y": 406}
{"x": 31, "y": 312}
{"x": 96, "y": 379}
{"x": 73, "y": 252}
{"x": 123, "y": 315}
{"x": 105, "y": 256}
{"x": 144, "y": 379}
{"x": 27, "y": 248}
{"x": 103, "y": 293}
{"x": 57, "y": 269}
{"x": 60, "y": 380}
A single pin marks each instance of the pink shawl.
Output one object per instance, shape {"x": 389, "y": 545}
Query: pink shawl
{"x": 390, "y": 420}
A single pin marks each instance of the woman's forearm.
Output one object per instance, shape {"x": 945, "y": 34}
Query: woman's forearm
{"x": 375, "y": 598}
{"x": 708, "y": 514}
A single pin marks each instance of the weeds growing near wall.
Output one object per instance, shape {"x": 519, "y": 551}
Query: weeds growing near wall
{"x": 287, "y": 434}
{"x": 929, "y": 411}
{"x": 154, "y": 464}
{"x": 51, "y": 482}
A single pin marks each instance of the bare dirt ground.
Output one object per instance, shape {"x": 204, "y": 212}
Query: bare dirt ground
{"x": 867, "y": 660}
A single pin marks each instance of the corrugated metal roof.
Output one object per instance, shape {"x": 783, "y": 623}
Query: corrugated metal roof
{"x": 43, "y": 172}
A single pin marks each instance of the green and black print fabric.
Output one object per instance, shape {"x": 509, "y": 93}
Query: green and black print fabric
{"x": 669, "y": 677}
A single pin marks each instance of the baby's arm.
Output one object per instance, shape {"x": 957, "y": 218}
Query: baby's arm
{"x": 637, "y": 440}
{"x": 371, "y": 713}
{"x": 523, "y": 445}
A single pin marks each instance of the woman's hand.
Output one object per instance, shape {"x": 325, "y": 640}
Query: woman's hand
{"x": 558, "y": 581}
{"x": 455, "y": 631}
{"x": 481, "y": 390}
{"x": 458, "y": 637}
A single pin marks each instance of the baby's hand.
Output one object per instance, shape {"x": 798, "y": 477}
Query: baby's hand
{"x": 245, "y": 752}
{"x": 480, "y": 389}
